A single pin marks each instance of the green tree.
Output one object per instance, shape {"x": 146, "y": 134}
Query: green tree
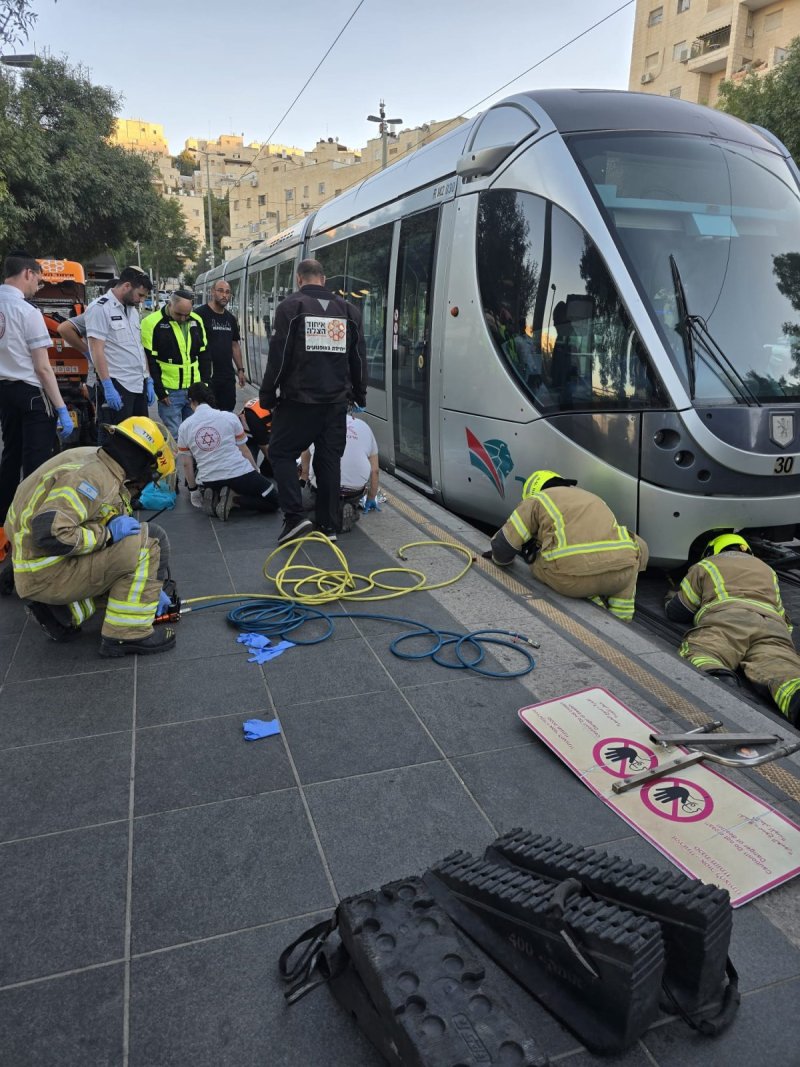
{"x": 65, "y": 190}
{"x": 185, "y": 163}
{"x": 771, "y": 100}
{"x": 170, "y": 247}
{"x": 16, "y": 21}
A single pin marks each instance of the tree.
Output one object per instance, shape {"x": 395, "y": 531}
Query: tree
{"x": 169, "y": 248}
{"x": 771, "y": 100}
{"x": 65, "y": 190}
{"x": 16, "y": 21}
{"x": 185, "y": 163}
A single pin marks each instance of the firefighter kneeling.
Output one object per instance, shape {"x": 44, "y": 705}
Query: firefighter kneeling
{"x": 74, "y": 539}
{"x": 735, "y": 602}
{"x": 580, "y": 550}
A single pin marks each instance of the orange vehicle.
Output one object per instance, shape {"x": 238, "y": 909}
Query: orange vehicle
{"x": 61, "y": 297}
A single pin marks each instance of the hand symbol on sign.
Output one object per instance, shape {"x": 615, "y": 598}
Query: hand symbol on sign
{"x": 668, "y": 793}
{"x": 624, "y": 752}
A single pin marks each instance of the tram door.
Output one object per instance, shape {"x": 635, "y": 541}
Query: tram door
{"x": 411, "y": 331}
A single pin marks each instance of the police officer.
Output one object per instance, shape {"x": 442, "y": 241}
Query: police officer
{"x": 580, "y": 549}
{"x": 317, "y": 359}
{"x": 115, "y": 344}
{"x": 74, "y": 539}
{"x": 735, "y": 603}
{"x": 174, "y": 339}
{"x": 224, "y": 352}
{"x": 29, "y": 393}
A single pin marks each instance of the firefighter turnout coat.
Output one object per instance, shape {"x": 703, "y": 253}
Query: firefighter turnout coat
{"x": 172, "y": 355}
{"x": 62, "y": 552}
{"x": 582, "y": 550}
{"x": 735, "y": 603}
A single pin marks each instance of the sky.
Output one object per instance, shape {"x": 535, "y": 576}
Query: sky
{"x": 207, "y": 67}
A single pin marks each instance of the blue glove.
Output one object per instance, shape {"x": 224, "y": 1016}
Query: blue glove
{"x": 65, "y": 423}
{"x": 164, "y": 604}
{"x": 264, "y": 655}
{"x": 151, "y": 393}
{"x": 113, "y": 399}
{"x": 371, "y": 505}
{"x": 123, "y": 526}
{"x": 255, "y": 728}
{"x": 253, "y": 640}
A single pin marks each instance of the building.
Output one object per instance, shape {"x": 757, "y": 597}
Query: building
{"x": 685, "y": 48}
{"x": 284, "y": 184}
{"x": 223, "y": 162}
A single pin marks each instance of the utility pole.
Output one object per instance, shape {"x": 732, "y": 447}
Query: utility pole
{"x": 383, "y": 128}
{"x": 210, "y": 219}
{"x": 138, "y": 255}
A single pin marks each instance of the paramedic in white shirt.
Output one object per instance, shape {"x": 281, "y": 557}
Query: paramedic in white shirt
{"x": 359, "y": 469}
{"x": 216, "y": 442}
{"x": 31, "y": 405}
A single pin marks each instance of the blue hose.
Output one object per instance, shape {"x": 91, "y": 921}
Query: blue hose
{"x": 282, "y": 619}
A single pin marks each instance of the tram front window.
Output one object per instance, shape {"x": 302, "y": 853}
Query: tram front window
{"x": 729, "y": 216}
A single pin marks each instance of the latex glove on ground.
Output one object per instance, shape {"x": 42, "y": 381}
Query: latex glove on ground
{"x": 196, "y": 497}
{"x": 65, "y": 423}
{"x": 371, "y": 505}
{"x": 256, "y": 728}
{"x": 264, "y": 655}
{"x": 151, "y": 393}
{"x": 123, "y": 526}
{"x": 253, "y": 640}
{"x": 164, "y": 604}
{"x": 113, "y": 399}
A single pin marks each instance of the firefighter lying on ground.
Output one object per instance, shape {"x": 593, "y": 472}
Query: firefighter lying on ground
{"x": 573, "y": 543}
{"x": 735, "y": 603}
{"x": 74, "y": 540}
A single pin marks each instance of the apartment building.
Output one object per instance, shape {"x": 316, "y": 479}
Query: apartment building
{"x": 685, "y": 48}
{"x": 281, "y": 188}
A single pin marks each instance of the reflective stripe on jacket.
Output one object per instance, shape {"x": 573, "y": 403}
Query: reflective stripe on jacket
{"x": 732, "y": 578}
{"x": 574, "y": 529}
{"x": 173, "y": 357}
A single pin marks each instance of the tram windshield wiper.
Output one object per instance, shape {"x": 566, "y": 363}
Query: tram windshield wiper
{"x": 694, "y": 330}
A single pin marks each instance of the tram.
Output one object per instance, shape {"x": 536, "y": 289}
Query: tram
{"x": 603, "y": 283}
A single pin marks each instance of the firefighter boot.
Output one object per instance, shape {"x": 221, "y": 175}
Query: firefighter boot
{"x": 160, "y": 640}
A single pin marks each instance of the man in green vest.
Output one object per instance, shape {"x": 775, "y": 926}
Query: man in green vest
{"x": 173, "y": 339}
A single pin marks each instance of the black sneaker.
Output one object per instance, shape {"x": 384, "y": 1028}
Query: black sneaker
{"x": 48, "y": 618}
{"x": 327, "y": 531}
{"x": 160, "y": 640}
{"x": 294, "y": 526}
{"x": 222, "y": 508}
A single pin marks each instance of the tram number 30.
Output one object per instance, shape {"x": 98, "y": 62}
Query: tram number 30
{"x": 784, "y": 465}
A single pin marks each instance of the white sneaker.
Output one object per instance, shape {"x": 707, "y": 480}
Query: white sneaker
{"x": 196, "y": 497}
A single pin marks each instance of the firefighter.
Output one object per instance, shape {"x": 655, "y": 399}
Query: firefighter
{"x": 735, "y": 603}
{"x": 573, "y": 543}
{"x": 74, "y": 539}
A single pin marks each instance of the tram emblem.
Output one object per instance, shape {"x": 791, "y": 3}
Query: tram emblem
{"x": 781, "y": 428}
{"x": 492, "y": 457}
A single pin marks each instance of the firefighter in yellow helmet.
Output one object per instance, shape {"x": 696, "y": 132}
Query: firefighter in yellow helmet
{"x": 573, "y": 543}
{"x": 735, "y": 603}
{"x": 74, "y": 539}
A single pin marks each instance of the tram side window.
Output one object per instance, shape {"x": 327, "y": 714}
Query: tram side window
{"x": 251, "y": 326}
{"x": 553, "y": 310}
{"x": 333, "y": 259}
{"x": 368, "y": 257}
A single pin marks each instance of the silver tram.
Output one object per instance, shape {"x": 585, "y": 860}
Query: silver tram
{"x": 602, "y": 283}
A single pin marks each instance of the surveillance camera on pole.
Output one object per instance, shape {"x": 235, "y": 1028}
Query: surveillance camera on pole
{"x": 383, "y": 127}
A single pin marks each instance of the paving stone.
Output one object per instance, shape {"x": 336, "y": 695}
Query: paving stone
{"x": 249, "y": 532}
{"x": 64, "y": 785}
{"x": 29, "y": 713}
{"x": 529, "y": 786}
{"x": 760, "y": 952}
{"x": 472, "y": 714}
{"x": 337, "y": 738}
{"x": 766, "y": 1030}
{"x": 199, "y": 689}
{"x": 220, "y": 1004}
{"x": 388, "y": 825}
{"x": 202, "y": 574}
{"x": 204, "y": 761}
{"x": 221, "y": 867}
{"x": 635, "y": 1057}
{"x": 332, "y": 669}
{"x": 38, "y": 657}
{"x": 62, "y": 902}
{"x": 202, "y": 636}
{"x": 72, "y": 1021}
{"x": 12, "y": 616}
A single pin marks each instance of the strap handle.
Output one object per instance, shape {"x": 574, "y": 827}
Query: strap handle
{"x": 712, "y": 1025}
{"x": 312, "y": 958}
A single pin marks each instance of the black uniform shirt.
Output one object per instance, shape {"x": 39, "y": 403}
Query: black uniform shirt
{"x": 221, "y": 331}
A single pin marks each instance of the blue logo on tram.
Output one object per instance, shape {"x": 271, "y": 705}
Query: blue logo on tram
{"x": 492, "y": 457}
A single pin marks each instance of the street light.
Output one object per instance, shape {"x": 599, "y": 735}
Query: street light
{"x": 383, "y": 128}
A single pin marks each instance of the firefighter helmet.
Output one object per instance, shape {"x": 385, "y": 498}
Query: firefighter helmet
{"x": 146, "y": 433}
{"x": 723, "y": 541}
{"x": 539, "y": 479}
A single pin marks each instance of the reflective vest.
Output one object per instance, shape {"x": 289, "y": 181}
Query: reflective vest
{"x": 172, "y": 354}
{"x": 732, "y": 578}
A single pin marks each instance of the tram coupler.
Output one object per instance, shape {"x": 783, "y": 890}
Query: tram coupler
{"x": 597, "y": 967}
{"x": 772, "y": 552}
{"x": 695, "y": 918}
{"x": 702, "y": 755}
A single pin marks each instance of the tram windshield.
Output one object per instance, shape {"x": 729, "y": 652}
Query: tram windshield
{"x": 727, "y": 216}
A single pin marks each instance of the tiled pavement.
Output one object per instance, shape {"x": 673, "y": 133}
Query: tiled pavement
{"x": 153, "y": 864}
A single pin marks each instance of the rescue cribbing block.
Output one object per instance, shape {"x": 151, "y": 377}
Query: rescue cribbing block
{"x": 427, "y": 984}
{"x": 597, "y": 967}
{"x": 695, "y": 918}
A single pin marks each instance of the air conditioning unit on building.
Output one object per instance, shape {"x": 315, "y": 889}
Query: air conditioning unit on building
{"x": 305, "y": 205}
{"x": 683, "y": 55}
{"x": 646, "y": 78}
{"x": 254, "y": 180}
{"x": 749, "y": 32}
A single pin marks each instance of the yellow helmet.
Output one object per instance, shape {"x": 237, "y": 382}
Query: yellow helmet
{"x": 539, "y": 479}
{"x": 146, "y": 433}
{"x": 723, "y": 541}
